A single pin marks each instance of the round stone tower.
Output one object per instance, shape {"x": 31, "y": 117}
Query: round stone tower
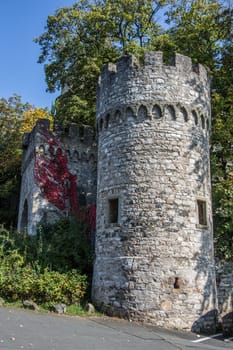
{"x": 154, "y": 243}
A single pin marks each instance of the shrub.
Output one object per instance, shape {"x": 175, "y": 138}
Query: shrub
{"x": 22, "y": 277}
{"x": 52, "y": 286}
{"x": 65, "y": 246}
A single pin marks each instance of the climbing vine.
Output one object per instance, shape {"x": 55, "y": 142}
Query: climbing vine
{"x": 57, "y": 184}
{"x": 53, "y": 177}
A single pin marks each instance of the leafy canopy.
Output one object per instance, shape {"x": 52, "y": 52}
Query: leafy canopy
{"x": 79, "y": 39}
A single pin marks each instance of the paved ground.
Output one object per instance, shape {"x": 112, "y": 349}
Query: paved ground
{"x": 29, "y": 330}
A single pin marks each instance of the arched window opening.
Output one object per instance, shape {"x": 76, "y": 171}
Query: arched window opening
{"x": 195, "y": 117}
{"x": 81, "y": 133}
{"x": 156, "y": 111}
{"x": 170, "y": 113}
{"x": 68, "y": 155}
{"x": 107, "y": 118}
{"x": 142, "y": 112}
{"x": 101, "y": 124}
{"x": 92, "y": 158}
{"x": 202, "y": 122}
{"x": 84, "y": 156}
{"x": 130, "y": 114}
{"x": 76, "y": 155}
{"x": 184, "y": 114}
{"x": 117, "y": 117}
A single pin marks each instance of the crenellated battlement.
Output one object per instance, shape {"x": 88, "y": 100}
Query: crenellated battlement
{"x": 81, "y": 134}
{"x": 79, "y": 142}
{"x": 153, "y": 59}
{"x": 129, "y": 82}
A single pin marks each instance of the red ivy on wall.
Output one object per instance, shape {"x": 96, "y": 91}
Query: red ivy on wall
{"x": 52, "y": 176}
{"x": 57, "y": 184}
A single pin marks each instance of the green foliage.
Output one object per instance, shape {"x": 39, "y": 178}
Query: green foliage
{"x": 197, "y": 29}
{"x": 11, "y": 115}
{"x": 42, "y": 287}
{"x": 222, "y": 145}
{"x": 222, "y": 174}
{"x": 79, "y": 39}
{"x": 70, "y": 108}
{"x": 24, "y": 277}
{"x": 9, "y": 255}
{"x": 16, "y": 117}
{"x": 11, "y": 112}
{"x": 64, "y": 246}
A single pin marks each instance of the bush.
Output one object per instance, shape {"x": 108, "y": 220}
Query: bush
{"x": 65, "y": 246}
{"x": 22, "y": 277}
{"x": 49, "y": 286}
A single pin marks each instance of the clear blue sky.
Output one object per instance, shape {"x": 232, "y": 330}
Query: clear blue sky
{"x": 20, "y": 22}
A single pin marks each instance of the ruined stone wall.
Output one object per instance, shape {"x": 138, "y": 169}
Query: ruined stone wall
{"x": 58, "y": 175}
{"x": 80, "y": 146}
{"x": 224, "y": 278}
{"x": 33, "y": 207}
{"x": 154, "y": 244}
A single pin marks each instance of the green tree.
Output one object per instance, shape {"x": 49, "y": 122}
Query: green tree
{"x": 222, "y": 146}
{"x": 79, "y": 39}
{"x": 222, "y": 174}
{"x": 197, "y": 29}
{"x": 11, "y": 114}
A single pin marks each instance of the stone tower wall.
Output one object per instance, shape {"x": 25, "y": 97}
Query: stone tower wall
{"x": 58, "y": 175}
{"x": 154, "y": 244}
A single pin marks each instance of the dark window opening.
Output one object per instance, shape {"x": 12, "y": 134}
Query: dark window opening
{"x": 157, "y": 113}
{"x": 195, "y": 117}
{"x": 113, "y": 205}
{"x": 177, "y": 283}
{"x": 101, "y": 124}
{"x": 81, "y": 132}
{"x": 82, "y": 199}
{"x": 107, "y": 121}
{"x": 202, "y": 212}
{"x": 202, "y": 122}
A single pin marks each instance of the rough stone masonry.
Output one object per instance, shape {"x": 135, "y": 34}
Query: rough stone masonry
{"x": 154, "y": 240}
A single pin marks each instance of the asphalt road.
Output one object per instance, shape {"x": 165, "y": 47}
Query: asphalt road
{"x": 20, "y": 329}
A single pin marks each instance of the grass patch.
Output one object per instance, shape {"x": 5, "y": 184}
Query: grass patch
{"x": 72, "y": 310}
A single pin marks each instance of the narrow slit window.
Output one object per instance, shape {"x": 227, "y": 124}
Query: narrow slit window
{"x": 202, "y": 212}
{"x": 113, "y": 210}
